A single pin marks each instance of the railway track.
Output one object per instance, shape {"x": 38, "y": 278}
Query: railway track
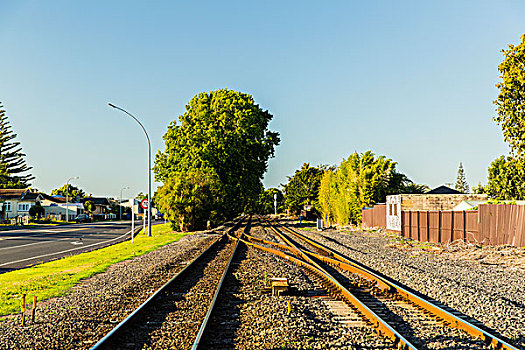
{"x": 181, "y": 314}
{"x": 177, "y": 314}
{"x": 410, "y": 321}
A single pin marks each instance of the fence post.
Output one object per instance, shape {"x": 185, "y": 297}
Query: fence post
{"x": 418, "y": 227}
{"x": 428, "y": 226}
{"x": 403, "y": 224}
{"x": 451, "y": 226}
{"x": 410, "y": 225}
{"x": 464, "y": 226}
{"x": 439, "y": 226}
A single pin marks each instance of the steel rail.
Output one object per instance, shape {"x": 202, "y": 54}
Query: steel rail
{"x": 380, "y": 325}
{"x": 447, "y": 317}
{"x": 204, "y": 323}
{"x": 127, "y": 321}
{"x": 342, "y": 265}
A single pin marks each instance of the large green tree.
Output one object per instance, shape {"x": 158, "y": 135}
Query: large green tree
{"x": 303, "y": 188}
{"x": 226, "y": 132}
{"x": 511, "y": 98}
{"x": 12, "y": 163}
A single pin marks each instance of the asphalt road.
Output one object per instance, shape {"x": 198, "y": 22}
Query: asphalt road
{"x": 27, "y": 247}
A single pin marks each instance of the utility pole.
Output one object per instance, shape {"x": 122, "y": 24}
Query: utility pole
{"x": 67, "y": 193}
{"x": 120, "y": 202}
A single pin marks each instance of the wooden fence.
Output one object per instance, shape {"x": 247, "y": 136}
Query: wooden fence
{"x": 441, "y": 226}
{"x": 503, "y": 224}
{"x": 492, "y": 224}
{"x": 375, "y": 217}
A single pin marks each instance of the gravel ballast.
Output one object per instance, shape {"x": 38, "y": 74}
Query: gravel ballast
{"x": 249, "y": 319}
{"x": 492, "y": 294}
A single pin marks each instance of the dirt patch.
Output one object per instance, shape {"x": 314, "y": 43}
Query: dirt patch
{"x": 501, "y": 255}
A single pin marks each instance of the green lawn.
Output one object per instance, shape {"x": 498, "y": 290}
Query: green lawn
{"x": 56, "y": 278}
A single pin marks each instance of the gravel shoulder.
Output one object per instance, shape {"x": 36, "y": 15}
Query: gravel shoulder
{"x": 94, "y": 307}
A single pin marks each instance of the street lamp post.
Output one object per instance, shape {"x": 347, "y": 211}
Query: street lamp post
{"x": 120, "y": 201}
{"x": 67, "y": 192}
{"x": 149, "y": 164}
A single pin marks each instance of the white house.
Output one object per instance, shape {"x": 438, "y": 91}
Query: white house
{"x": 59, "y": 210}
{"x": 468, "y": 205}
{"x": 17, "y": 202}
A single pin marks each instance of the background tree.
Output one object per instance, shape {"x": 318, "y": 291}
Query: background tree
{"x": 506, "y": 175}
{"x": 461, "y": 182}
{"x": 511, "y": 98}
{"x": 226, "y": 132}
{"x": 12, "y": 163}
{"x": 72, "y": 191}
{"x": 90, "y": 207}
{"x": 360, "y": 181}
{"x": 479, "y": 189}
{"x": 506, "y": 179}
{"x": 265, "y": 203}
{"x": 303, "y": 188}
{"x": 328, "y": 192}
{"x": 37, "y": 211}
{"x": 140, "y": 196}
{"x": 190, "y": 199}
{"x": 413, "y": 188}
{"x": 400, "y": 183}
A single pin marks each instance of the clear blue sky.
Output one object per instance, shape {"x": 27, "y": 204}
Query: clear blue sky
{"x": 412, "y": 80}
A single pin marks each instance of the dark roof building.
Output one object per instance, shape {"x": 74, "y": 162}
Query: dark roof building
{"x": 443, "y": 190}
{"x": 102, "y": 204}
{"x": 55, "y": 198}
{"x": 96, "y": 200}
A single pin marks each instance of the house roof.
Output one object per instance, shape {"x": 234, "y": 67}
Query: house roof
{"x": 18, "y": 193}
{"x": 10, "y": 193}
{"x": 31, "y": 196}
{"x": 443, "y": 190}
{"x": 55, "y": 199}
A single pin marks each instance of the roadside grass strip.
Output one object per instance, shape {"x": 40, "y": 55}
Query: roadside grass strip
{"x": 56, "y": 278}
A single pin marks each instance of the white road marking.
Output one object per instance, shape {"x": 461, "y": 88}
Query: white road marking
{"x": 29, "y": 244}
{"x": 34, "y": 243}
{"x": 64, "y": 251}
{"x": 7, "y": 238}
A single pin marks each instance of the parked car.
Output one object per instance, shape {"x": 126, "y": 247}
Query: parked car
{"x": 83, "y": 218}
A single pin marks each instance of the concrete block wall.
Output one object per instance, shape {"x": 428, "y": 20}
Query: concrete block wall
{"x": 412, "y": 202}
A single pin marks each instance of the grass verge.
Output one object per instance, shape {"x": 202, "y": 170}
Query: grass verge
{"x": 57, "y": 277}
